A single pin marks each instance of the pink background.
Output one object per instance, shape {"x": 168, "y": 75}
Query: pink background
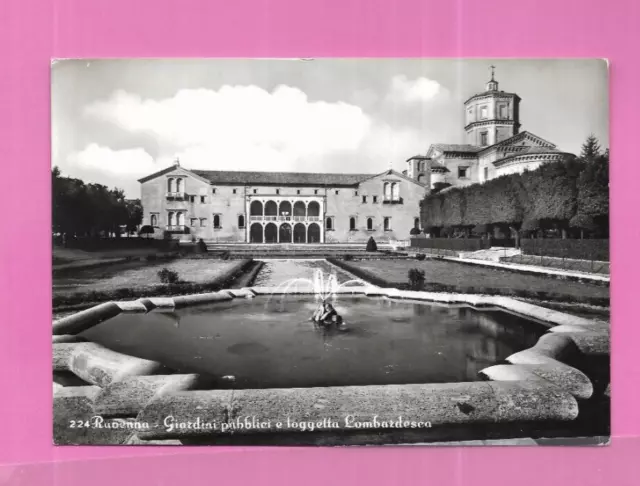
{"x": 33, "y": 31}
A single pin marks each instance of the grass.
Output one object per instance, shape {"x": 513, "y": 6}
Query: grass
{"x": 447, "y": 276}
{"x": 137, "y": 279}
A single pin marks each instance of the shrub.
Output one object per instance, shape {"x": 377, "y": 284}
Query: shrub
{"x": 168, "y": 276}
{"x": 420, "y": 256}
{"x": 416, "y": 279}
{"x": 347, "y": 258}
{"x": 202, "y": 246}
{"x": 414, "y": 231}
{"x": 146, "y": 230}
{"x": 371, "y": 244}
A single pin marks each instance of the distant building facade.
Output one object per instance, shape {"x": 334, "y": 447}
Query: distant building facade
{"x": 271, "y": 207}
{"x": 495, "y": 146}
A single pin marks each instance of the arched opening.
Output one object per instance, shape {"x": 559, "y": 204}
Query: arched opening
{"x": 216, "y": 220}
{"x": 387, "y": 191}
{"x": 395, "y": 191}
{"x": 255, "y": 233}
{"x": 421, "y": 179}
{"x": 256, "y": 209}
{"x": 154, "y": 220}
{"x": 299, "y": 233}
{"x": 179, "y": 185}
{"x": 285, "y": 210}
{"x": 180, "y": 219}
{"x": 387, "y": 224}
{"x": 285, "y": 233}
{"x": 352, "y": 223}
{"x": 299, "y": 211}
{"x": 369, "y": 224}
{"x": 241, "y": 221}
{"x": 170, "y": 219}
{"x": 329, "y": 224}
{"x": 170, "y": 185}
{"x": 271, "y": 209}
{"x": 271, "y": 233}
{"x": 313, "y": 233}
{"x": 416, "y": 223}
{"x": 313, "y": 210}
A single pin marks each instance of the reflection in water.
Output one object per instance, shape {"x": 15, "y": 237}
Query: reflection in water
{"x": 264, "y": 344}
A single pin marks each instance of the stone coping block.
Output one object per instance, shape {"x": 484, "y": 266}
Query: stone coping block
{"x": 81, "y": 321}
{"x": 66, "y": 338}
{"x": 185, "y": 300}
{"x": 563, "y": 376}
{"x": 101, "y": 366}
{"x": 132, "y": 306}
{"x": 192, "y": 414}
{"x": 591, "y": 343}
{"x": 131, "y": 394}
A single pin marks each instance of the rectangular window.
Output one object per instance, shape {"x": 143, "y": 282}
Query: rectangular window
{"x": 235, "y": 191}
{"x": 213, "y": 191}
{"x": 484, "y": 113}
{"x": 203, "y": 199}
{"x": 486, "y": 173}
{"x": 255, "y": 191}
{"x": 483, "y": 138}
{"x": 216, "y": 221}
{"x": 194, "y": 221}
{"x": 462, "y": 172}
{"x": 315, "y": 191}
{"x": 364, "y": 199}
{"x": 192, "y": 199}
{"x": 355, "y": 193}
{"x": 277, "y": 191}
{"x": 375, "y": 199}
{"x": 203, "y": 222}
{"x": 298, "y": 191}
{"x": 503, "y": 112}
{"x": 337, "y": 192}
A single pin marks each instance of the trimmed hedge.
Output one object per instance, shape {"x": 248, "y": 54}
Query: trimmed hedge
{"x": 553, "y": 195}
{"x": 572, "y": 248}
{"x": 456, "y": 244}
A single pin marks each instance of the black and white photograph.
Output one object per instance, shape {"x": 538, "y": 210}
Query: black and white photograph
{"x": 330, "y": 252}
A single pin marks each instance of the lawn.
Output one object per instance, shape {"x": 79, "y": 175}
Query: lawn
{"x": 477, "y": 279}
{"x": 137, "y": 275}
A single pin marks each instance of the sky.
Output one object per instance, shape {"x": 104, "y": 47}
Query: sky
{"x": 115, "y": 121}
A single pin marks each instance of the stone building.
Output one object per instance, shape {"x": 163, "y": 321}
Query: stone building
{"x": 494, "y": 146}
{"x": 276, "y": 207}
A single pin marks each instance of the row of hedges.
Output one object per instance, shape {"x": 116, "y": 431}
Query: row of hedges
{"x": 181, "y": 288}
{"x": 572, "y": 195}
{"x": 590, "y": 249}
{"x": 455, "y": 244}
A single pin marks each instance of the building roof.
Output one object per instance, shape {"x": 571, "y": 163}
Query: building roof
{"x": 530, "y": 151}
{"x": 281, "y": 178}
{"x": 491, "y": 93}
{"x": 419, "y": 157}
{"x": 451, "y": 147}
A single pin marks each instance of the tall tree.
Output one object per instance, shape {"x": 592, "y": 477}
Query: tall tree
{"x": 590, "y": 149}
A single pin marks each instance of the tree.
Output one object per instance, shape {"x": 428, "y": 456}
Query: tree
{"x": 590, "y": 148}
{"x": 371, "y": 244}
{"x": 414, "y": 231}
{"x": 134, "y": 214}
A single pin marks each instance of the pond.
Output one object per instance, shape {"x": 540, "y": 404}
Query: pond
{"x": 269, "y": 341}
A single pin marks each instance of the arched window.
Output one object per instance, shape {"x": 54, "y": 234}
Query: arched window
{"x": 416, "y": 223}
{"x": 154, "y": 220}
{"x": 216, "y": 220}
{"x": 395, "y": 191}
{"x": 352, "y": 223}
{"x": 329, "y": 224}
{"x": 421, "y": 178}
{"x": 370, "y": 224}
{"x": 179, "y": 185}
{"x": 241, "y": 221}
{"x": 170, "y": 220}
{"x": 387, "y": 224}
{"x": 170, "y": 184}
{"x": 180, "y": 219}
{"x": 387, "y": 191}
